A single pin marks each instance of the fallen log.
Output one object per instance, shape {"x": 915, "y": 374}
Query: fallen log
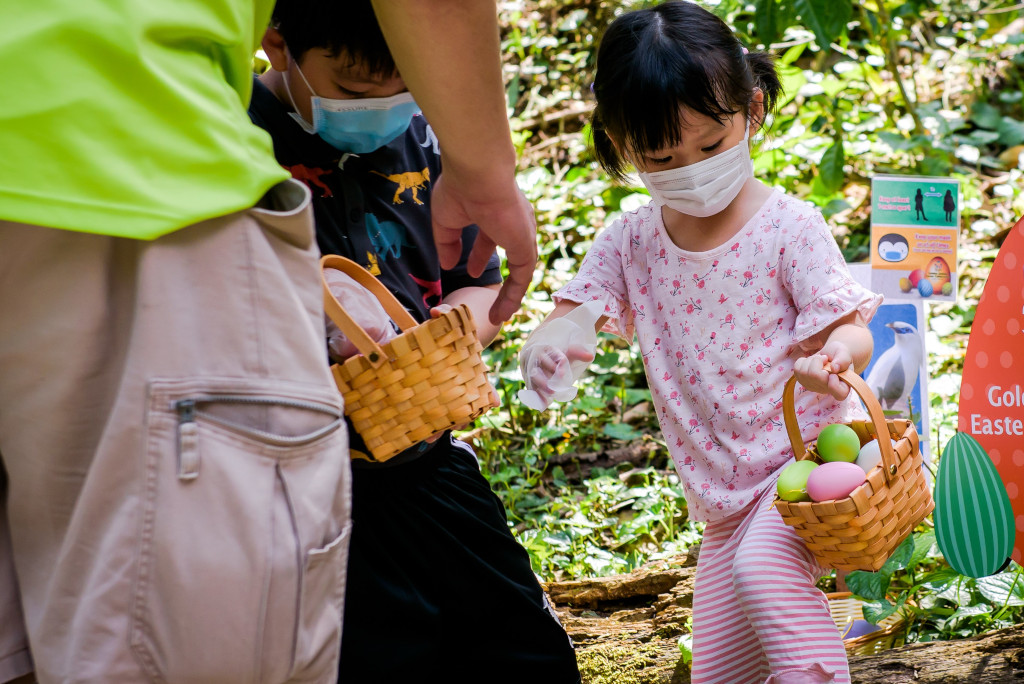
{"x": 627, "y": 627}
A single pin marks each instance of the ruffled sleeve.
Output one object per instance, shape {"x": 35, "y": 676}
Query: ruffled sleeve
{"x": 602, "y": 277}
{"x": 819, "y": 281}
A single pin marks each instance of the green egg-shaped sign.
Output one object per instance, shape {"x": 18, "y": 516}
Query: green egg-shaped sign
{"x": 973, "y": 518}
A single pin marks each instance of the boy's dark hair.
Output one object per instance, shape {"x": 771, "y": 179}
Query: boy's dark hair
{"x": 338, "y": 26}
{"x": 653, "y": 61}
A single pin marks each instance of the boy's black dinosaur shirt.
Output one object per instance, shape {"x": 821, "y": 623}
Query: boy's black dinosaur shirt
{"x": 374, "y": 209}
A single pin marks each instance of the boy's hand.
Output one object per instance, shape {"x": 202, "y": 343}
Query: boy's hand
{"x": 818, "y": 372}
{"x": 505, "y": 218}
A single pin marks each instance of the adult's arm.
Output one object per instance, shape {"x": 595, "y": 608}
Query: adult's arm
{"x": 449, "y": 56}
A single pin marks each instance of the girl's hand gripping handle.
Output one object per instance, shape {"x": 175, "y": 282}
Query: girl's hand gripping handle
{"x": 556, "y": 355}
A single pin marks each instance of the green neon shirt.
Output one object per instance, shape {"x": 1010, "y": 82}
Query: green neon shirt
{"x": 128, "y": 117}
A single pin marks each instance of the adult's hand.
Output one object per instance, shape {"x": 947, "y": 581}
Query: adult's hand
{"x": 505, "y": 218}
{"x": 449, "y": 55}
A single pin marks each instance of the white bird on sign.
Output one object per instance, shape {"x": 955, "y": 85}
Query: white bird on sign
{"x": 893, "y": 376}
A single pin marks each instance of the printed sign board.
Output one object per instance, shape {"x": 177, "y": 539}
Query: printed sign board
{"x": 992, "y": 391}
{"x": 915, "y": 223}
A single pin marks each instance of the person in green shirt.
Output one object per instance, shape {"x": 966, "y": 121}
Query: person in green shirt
{"x": 174, "y": 497}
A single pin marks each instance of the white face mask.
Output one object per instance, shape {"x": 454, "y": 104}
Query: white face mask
{"x": 705, "y": 188}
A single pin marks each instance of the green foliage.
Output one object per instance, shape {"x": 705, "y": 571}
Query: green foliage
{"x": 939, "y": 602}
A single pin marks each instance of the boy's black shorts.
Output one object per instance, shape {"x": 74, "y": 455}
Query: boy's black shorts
{"x": 438, "y": 588}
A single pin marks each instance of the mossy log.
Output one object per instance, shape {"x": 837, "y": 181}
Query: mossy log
{"x": 626, "y": 629}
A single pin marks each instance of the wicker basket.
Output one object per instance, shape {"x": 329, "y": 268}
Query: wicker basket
{"x": 429, "y": 378}
{"x": 861, "y": 531}
{"x": 845, "y": 609}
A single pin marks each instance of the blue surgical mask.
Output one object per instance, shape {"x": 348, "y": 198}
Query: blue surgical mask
{"x": 359, "y": 125}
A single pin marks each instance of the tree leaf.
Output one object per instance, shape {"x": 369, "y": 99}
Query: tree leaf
{"x": 876, "y": 611}
{"x": 1003, "y": 589}
{"x": 826, "y": 18}
{"x": 900, "y": 558}
{"x": 924, "y": 542}
{"x": 623, "y": 431}
{"x": 1011, "y": 131}
{"x": 831, "y": 167}
{"x": 985, "y": 115}
{"x": 869, "y": 585}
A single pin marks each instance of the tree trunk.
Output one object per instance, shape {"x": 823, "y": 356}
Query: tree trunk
{"x": 626, "y": 629}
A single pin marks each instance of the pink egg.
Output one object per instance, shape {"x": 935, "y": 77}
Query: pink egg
{"x": 834, "y": 480}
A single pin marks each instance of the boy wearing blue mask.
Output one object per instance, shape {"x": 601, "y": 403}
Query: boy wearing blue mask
{"x": 429, "y": 537}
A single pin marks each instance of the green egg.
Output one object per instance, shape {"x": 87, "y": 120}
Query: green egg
{"x": 974, "y": 524}
{"x": 838, "y": 442}
{"x": 792, "y": 484}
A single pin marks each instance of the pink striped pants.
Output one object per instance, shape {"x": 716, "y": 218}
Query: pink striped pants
{"x": 757, "y": 614}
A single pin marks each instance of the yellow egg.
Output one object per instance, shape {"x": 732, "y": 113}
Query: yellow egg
{"x": 905, "y": 285}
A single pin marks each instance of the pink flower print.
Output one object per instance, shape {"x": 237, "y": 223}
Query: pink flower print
{"x": 694, "y": 377}
{"x": 634, "y": 240}
{"x": 700, "y": 350}
{"x": 639, "y": 313}
{"x": 763, "y": 365}
{"x": 679, "y": 358}
{"x": 688, "y": 461}
{"x": 711, "y": 443}
{"x": 694, "y": 305}
{"x": 676, "y": 287}
{"x": 766, "y": 338}
{"x": 729, "y": 273}
{"x": 773, "y": 424}
{"x": 753, "y": 320}
{"x": 661, "y": 253}
{"x": 700, "y": 280}
{"x": 735, "y": 248}
{"x": 731, "y": 389}
{"x": 748, "y": 277}
{"x": 758, "y": 247}
{"x": 729, "y": 321}
{"x": 693, "y": 426}
{"x": 643, "y": 286}
{"x": 762, "y": 295}
{"x": 744, "y": 350}
{"x": 754, "y": 415}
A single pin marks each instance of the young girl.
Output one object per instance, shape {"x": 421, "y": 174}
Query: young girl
{"x": 730, "y": 287}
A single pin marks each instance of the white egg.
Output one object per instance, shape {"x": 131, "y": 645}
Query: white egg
{"x": 870, "y": 455}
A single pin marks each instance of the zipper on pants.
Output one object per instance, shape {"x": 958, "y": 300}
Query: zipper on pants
{"x": 189, "y": 412}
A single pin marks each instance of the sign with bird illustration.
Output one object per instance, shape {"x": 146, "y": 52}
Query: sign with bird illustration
{"x": 898, "y": 371}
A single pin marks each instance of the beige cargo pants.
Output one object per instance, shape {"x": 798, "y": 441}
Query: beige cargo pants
{"x": 176, "y": 500}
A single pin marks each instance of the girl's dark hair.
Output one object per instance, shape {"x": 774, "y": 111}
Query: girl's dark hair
{"x": 654, "y": 61}
{"x": 348, "y": 26}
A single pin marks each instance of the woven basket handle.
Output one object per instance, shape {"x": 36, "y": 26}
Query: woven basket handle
{"x": 870, "y": 402}
{"x": 363, "y": 342}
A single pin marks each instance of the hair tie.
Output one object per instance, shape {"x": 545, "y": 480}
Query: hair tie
{"x": 744, "y": 50}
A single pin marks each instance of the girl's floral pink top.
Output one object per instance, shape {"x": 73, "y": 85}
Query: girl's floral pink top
{"x": 719, "y": 333}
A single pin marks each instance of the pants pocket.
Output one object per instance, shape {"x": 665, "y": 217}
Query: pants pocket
{"x": 239, "y": 572}
{"x": 321, "y": 608}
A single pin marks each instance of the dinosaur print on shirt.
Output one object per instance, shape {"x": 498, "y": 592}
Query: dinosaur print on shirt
{"x": 410, "y": 180}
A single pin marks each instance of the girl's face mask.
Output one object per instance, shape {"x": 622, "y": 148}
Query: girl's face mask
{"x": 707, "y": 187}
{"x": 359, "y": 125}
